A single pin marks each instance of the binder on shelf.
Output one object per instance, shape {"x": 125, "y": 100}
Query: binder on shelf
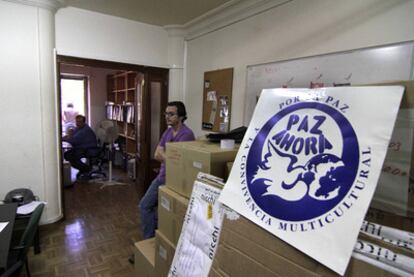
{"x": 130, "y": 112}
{"x": 120, "y": 113}
{"x": 117, "y": 113}
{"x": 109, "y": 109}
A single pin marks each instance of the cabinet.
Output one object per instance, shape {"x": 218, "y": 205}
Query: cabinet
{"x": 121, "y": 106}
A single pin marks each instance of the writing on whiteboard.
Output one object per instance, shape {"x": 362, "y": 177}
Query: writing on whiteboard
{"x": 394, "y": 170}
{"x": 394, "y": 146}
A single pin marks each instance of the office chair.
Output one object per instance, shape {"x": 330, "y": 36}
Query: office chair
{"x": 25, "y": 196}
{"x": 18, "y": 254}
{"x": 97, "y": 157}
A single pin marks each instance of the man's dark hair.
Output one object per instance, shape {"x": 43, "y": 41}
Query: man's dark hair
{"x": 81, "y": 116}
{"x": 180, "y": 109}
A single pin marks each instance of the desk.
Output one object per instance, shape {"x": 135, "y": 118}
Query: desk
{"x": 7, "y": 213}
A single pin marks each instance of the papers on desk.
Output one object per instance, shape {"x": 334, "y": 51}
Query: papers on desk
{"x": 29, "y": 208}
{"x": 3, "y": 225}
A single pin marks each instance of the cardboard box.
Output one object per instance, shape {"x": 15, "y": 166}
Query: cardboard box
{"x": 229, "y": 166}
{"x": 234, "y": 263}
{"x": 164, "y": 254}
{"x": 215, "y": 270}
{"x": 217, "y": 273}
{"x": 254, "y": 236}
{"x": 263, "y": 252}
{"x": 358, "y": 268}
{"x": 297, "y": 265}
{"x": 171, "y": 212}
{"x": 145, "y": 258}
{"x": 186, "y": 159}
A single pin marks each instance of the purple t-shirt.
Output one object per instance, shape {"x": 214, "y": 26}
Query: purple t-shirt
{"x": 184, "y": 134}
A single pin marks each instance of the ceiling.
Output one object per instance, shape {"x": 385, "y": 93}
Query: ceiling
{"x": 155, "y": 12}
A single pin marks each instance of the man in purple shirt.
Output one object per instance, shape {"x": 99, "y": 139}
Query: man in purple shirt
{"x": 81, "y": 139}
{"x": 175, "y": 115}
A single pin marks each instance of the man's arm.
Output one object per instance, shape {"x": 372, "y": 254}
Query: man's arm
{"x": 160, "y": 154}
{"x": 69, "y": 135}
{"x": 82, "y": 137}
{"x": 76, "y": 138}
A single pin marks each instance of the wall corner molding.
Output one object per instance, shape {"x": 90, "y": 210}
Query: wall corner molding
{"x": 227, "y": 14}
{"x": 52, "y": 5}
{"x": 175, "y": 30}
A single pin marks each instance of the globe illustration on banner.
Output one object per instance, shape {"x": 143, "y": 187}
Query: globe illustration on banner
{"x": 302, "y": 162}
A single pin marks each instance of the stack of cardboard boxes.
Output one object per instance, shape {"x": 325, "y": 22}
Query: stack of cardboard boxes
{"x": 184, "y": 161}
{"x": 245, "y": 249}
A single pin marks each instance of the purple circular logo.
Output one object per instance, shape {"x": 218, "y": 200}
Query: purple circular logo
{"x": 302, "y": 162}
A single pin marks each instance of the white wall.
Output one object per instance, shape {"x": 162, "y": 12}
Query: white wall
{"x": 296, "y": 29}
{"x": 86, "y": 34}
{"x": 20, "y": 122}
{"x": 28, "y": 122}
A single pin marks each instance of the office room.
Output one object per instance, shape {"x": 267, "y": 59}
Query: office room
{"x": 146, "y": 54}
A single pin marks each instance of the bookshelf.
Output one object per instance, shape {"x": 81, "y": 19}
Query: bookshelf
{"x": 136, "y": 99}
{"x": 120, "y": 107}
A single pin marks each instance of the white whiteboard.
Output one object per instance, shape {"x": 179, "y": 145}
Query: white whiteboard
{"x": 362, "y": 66}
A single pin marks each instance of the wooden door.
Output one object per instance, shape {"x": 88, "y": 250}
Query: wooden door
{"x": 142, "y": 154}
{"x": 152, "y": 98}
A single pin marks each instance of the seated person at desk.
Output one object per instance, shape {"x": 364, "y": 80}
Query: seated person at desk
{"x": 81, "y": 139}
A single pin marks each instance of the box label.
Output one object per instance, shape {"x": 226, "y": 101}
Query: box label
{"x": 162, "y": 252}
{"x": 165, "y": 203}
{"x": 198, "y": 165}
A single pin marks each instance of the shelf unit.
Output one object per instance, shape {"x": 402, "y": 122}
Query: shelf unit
{"x": 120, "y": 107}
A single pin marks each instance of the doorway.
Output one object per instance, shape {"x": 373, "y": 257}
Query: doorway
{"x": 145, "y": 87}
{"x": 74, "y": 95}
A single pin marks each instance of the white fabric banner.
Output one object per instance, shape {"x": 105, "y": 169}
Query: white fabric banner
{"x": 200, "y": 233}
{"x": 309, "y": 164}
{"x": 386, "y": 256}
{"x": 390, "y": 235}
